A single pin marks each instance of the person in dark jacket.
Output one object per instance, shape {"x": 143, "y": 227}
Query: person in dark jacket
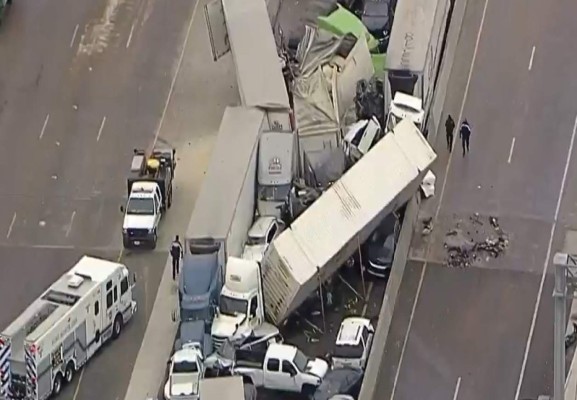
{"x": 450, "y": 128}
{"x": 176, "y": 254}
{"x": 465, "y": 134}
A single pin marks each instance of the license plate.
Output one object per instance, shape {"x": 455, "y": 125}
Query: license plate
{"x": 137, "y": 242}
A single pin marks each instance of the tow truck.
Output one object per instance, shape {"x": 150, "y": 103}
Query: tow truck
{"x": 149, "y": 196}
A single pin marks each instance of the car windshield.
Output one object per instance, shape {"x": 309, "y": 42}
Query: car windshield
{"x": 232, "y": 307}
{"x": 348, "y": 351}
{"x": 274, "y": 193}
{"x": 184, "y": 367}
{"x": 376, "y": 9}
{"x": 140, "y": 206}
{"x": 301, "y": 361}
{"x": 256, "y": 240}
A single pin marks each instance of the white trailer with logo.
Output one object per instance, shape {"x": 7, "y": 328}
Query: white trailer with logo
{"x": 62, "y": 329}
{"x": 323, "y": 238}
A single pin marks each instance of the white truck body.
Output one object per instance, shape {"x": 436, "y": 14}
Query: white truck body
{"x": 224, "y": 208}
{"x": 414, "y": 50}
{"x": 62, "y": 329}
{"x": 240, "y": 309}
{"x": 222, "y": 388}
{"x": 285, "y": 368}
{"x": 144, "y": 192}
{"x": 320, "y": 240}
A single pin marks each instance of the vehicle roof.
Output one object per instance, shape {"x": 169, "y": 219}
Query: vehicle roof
{"x": 222, "y": 186}
{"x": 187, "y": 354}
{"x": 259, "y": 72}
{"x": 198, "y": 272}
{"x": 350, "y": 330}
{"x": 144, "y": 185}
{"x": 281, "y": 351}
{"x": 411, "y": 101}
{"x": 261, "y": 226}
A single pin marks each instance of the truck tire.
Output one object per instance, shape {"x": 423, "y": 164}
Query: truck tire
{"x": 57, "y": 384}
{"x": 169, "y": 199}
{"x": 308, "y": 390}
{"x": 153, "y": 242}
{"x": 126, "y": 243}
{"x": 117, "y": 326}
{"x": 69, "y": 372}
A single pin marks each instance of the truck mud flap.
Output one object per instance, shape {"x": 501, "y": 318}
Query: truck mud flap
{"x": 5, "y": 378}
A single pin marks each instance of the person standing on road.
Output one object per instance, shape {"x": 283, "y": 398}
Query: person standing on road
{"x": 465, "y": 134}
{"x": 450, "y": 128}
{"x": 176, "y": 254}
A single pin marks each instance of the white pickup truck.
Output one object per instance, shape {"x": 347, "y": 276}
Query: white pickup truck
{"x": 185, "y": 370}
{"x": 282, "y": 367}
{"x": 353, "y": 343}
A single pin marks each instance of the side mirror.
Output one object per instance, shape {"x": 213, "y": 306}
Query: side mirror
{"x": 122, "y": 209}
{"x": 293, "y": 373}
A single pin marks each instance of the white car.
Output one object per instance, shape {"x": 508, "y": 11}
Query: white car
{"x": 260, "y": 236}
{"x": 353, "y": 343}
{"x": 185, "y": 370}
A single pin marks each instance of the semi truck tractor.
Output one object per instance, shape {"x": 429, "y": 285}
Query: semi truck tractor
{"x": 149, "y": 196}
{"x": 323, "y": 238}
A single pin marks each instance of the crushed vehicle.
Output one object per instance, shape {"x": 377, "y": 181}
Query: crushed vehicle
{"x": 380, "y": 248}
{"x": 149, "y": 196}
{"x": 186, "y": 369}
{"x": 260, "y": 236}
{"x": 340, "y": 384}
{"x": 353, "y": 343}
{"x": 282, "y": 367}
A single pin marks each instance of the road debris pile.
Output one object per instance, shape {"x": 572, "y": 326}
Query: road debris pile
{"x": 474, "y": 241}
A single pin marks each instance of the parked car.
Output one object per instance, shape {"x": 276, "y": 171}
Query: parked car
{"x": 260, "y": 236}
{"x": 353, "y": 343}
{"x": 381, "y": 245}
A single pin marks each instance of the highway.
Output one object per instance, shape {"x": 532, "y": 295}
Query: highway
{"x": 83, "y": 83}
{"x": 485, "y": 332}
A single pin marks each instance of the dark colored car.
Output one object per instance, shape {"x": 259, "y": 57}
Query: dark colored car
{"x": 377, "y": 16}
{"x": 339, "y": 381}
{"x": 381, "y": 245}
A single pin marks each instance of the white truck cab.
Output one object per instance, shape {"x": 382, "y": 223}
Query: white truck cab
{"x": 186, "y": 369}
{"x": 405, "y": 106}
{"x": 282, "y": 367}
{"x": 143, "y": 210}
{"x": 353, "y": 343}
{"x": 240, "y": 310}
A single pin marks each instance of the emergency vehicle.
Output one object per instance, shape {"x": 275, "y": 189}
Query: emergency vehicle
{"x": 62, "y": 329}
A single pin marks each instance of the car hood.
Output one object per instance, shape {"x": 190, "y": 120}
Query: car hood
{"x": 254, "y": 252}
{"x": 138, "y": 222}
{"x": 318, "y": 367}
{"x": 225, "y": 325}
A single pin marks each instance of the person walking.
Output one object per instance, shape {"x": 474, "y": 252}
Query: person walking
{"x": 176, "y": 254}
{"x": 465, "y": 134}
{"x": 450, "y": 128}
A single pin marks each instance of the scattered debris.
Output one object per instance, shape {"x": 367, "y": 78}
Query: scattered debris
{"x": 463, "y": 249}
{"x": 428, "y": 184}
{"x": 427, "y": 226}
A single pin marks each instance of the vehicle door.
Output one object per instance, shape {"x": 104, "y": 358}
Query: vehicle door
{"x": 94, "y": 324}
{"x": 112, "y": 304}
{"x": 157, "y": 202}
{"x": 125, "y": 294}
{"x": 367, "y": 338}
{"x": 274, "y": 378}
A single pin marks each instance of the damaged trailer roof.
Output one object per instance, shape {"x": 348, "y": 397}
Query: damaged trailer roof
{"x": 258, "y": 67}
{"x": 331, "y": 229}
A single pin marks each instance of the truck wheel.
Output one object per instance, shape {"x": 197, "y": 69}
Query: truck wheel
{"x": 126, "y": 243}
{"x": 69, "y": 373}
{"x": 169, "y": 200}
{"x": 117, "y": 327}
{"x": 308, "y": 390}
{"x": 57, "y": 385}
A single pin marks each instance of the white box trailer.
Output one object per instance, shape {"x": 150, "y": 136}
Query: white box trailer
{"x": 224, "y": 208}
{"x": 331, "y": 229}
{"x": 62, "y": 329}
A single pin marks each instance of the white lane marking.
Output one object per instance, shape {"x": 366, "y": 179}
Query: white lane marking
{"x": 44, "y": 126}
{"x": 101, "y": 128}
{"x": 130, "y": 36}
{"x": 511, "y": 151}
{"x": 457, "y": 387}
{"x": 441, "y": 195}
{"x": 531, "y": 59}
{"x": 11, "y": 226}
{"x": 69, "y": 228}
{"x": 78, "y": 385}
{"x": 74, "y": 36}
{"x": 546, "y": 263}
{"x": 369, "y": 290}
{"x": 175, "y": 74}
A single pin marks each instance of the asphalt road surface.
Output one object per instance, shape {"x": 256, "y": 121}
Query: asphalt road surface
{"x": 81, "y": 85}
{"x": 485, "y": 332}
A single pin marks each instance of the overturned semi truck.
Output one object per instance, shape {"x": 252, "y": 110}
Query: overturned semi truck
{"x": 319, "y": 241}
